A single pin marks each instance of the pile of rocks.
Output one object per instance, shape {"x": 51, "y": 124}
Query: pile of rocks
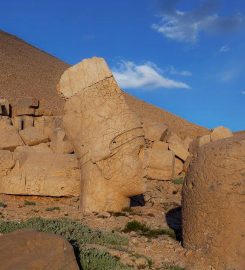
{"x": 168, "y": 156}
{"x": 166, "y": 153}
{"x": 36, "y": 158}
{"x": 99, "y": 137}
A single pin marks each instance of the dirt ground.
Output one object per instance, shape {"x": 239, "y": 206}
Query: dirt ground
{"x": 162, "y": 210}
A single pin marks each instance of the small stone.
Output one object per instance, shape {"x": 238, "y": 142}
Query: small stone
{"x": 141, "y": 262}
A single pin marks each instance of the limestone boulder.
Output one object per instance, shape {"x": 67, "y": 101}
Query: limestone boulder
{"x": 161, "y": 146}
{"x": 42, "y": 148}
{"x": 42, "y": 174}
{"x": 48, "y": 124}
{"x": 106, "y": 135}
{"x": 154, "y": 131}
{"x": 9, "y": 136}
{"x": 29, "y": 250}
{"x": 159, "y": 164}
{"x": 23, "y": 121}
{"x": 33, "y": 136}
{"x": 60, "y": 143}
{"x": 213, "y": 204}
{"x": 204, "y": 140}
{"x": 220, "y": 133}
{"x": 7, "y": 162}
{"x": 177, "y": 146}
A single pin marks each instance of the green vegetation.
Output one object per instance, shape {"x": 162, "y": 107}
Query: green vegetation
{"x": 29, "y": 203}
{"x": 3, "y": 205}
{"x": 94, "y": 259}
{"x": 178, "y": 181}
{"x": 52, "y": 208}
{"x": 80, "y": 236}
{"x": 142, "y": 229}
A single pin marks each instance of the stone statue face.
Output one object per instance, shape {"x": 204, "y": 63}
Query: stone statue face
{"x": 107, "y": 136}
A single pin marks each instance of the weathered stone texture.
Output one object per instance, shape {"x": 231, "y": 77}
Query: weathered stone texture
{"x": 106, "y": 135}
{"x": 31, "y": 250}
{"x": 214, "y": 204}
{"x": 159, "y": 164}
{"x": 9, "y": 137}
{"x": 43, "y": 174}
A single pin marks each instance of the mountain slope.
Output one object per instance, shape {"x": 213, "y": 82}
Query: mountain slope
{"x": 28, "y": 71}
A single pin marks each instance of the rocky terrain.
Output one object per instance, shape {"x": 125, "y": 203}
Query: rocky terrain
{"x": 82, "y": 159}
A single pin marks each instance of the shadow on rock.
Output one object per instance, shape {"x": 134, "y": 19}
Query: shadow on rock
{"x": 174, "y": 220}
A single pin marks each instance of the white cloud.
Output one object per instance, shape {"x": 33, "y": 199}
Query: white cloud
{"x": 173, "y": 71}
{"x": 175, "y": 27}
{"x": 186, "y": 26}
{"x": 243, "y": 92}
{"x": 145, "y": 76}
{"x": 224, "y": 49}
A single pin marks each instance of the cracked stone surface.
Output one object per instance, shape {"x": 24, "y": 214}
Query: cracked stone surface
{"x": 214, "y": 203}
{"x": 106, "y": 135}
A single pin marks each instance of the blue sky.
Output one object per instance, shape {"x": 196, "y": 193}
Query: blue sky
{"x": 186, "y": 56}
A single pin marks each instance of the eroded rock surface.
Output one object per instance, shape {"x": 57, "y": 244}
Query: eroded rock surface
{"x": 29, "y": 250}
{"x": 214, "y": 204}
{"x": 29, "y": 172}
{"x": 106, "y": 135}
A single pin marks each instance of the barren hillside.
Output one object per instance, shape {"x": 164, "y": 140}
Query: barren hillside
{"x": 28, "y": 71}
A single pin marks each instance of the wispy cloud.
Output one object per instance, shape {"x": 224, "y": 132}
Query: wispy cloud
{"x": 173, "y": 71}
{"x": 187, "y": 25}
{"x": 224, "y": 49}
{"x": 145, "y": 76}
{"x": 243, "y": 92}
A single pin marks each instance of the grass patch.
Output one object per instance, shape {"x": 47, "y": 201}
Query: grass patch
{"x": 94, "y": 259}
{"x": 29, "y": 203}
{"x": 80, "y": 236}
{"x": 3, "y": 205}
{"x": 178, "y": 181}
{"x": 143, "y": 229}
{"x": 55, "y": 208}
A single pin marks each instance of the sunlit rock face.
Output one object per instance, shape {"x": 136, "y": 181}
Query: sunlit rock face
{"x": 106, "y": 135}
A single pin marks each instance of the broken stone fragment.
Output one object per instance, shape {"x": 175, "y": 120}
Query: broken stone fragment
{"x": 59, "y": 143}
{"x": 159, "y": 164}
{"x": 106, "y": 135}
{"x": 9, "y": 136}
{"x": 161, "y": 146}
{"x": 220, "y": 133}
{"x": 154, "y": 131}
{"x": 204, "y": 140}
{"x": 42, "y": 148}
{"x": 42, "y": 174}
{"x": 6, "y": 162}
{"x": 33, "y": 136}
{"x": 22, "y": 122}
{"x": 177, "y": 146}
{"x": 48, "y": 124}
